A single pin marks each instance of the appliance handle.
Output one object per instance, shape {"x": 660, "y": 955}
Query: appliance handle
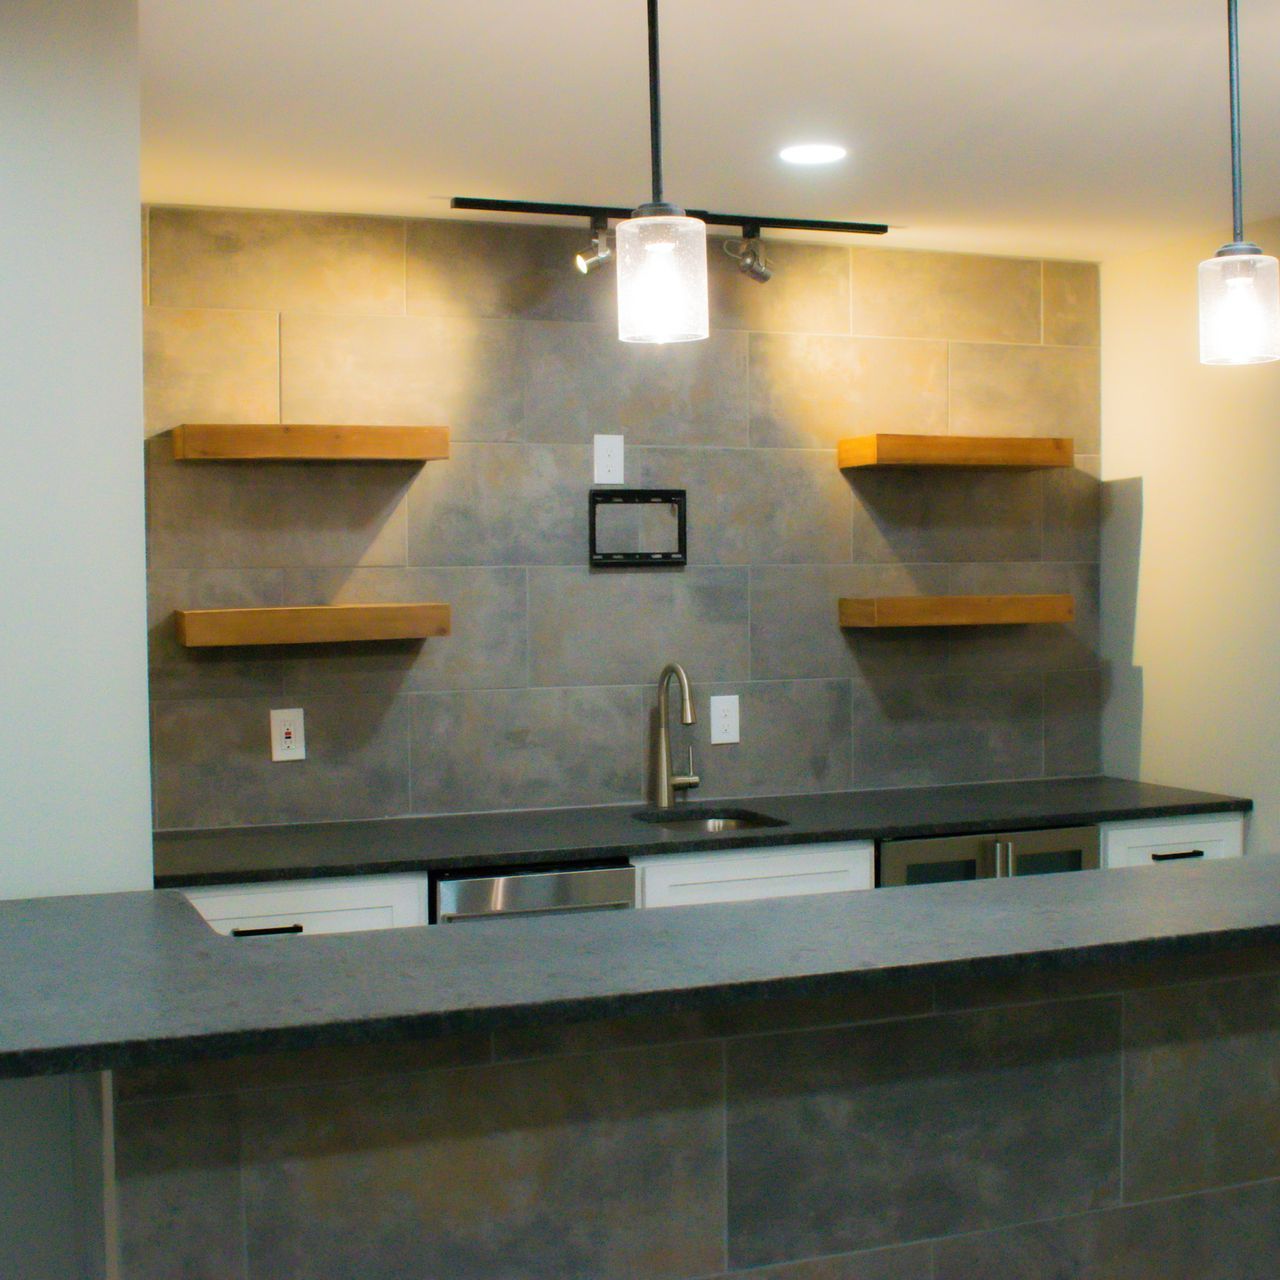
{"x": 266, "y": 930}
{"x": 451, "y": 917}
{"x": 1176, "y": 857}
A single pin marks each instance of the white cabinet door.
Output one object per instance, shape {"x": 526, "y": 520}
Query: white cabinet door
{"x": 1172, "y": 840}
{"x": 343, "y": 904}
{"x": 741, "y": 875}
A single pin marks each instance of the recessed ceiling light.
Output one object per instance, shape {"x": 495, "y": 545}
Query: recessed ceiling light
{"x": 813, "y": 153}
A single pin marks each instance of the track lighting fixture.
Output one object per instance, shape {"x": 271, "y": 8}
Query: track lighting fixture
{"x": 599, "y": 253}
{"x": 748, "y": 253}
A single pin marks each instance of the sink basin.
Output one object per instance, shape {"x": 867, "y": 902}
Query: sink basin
{"x": 705, "y": 819}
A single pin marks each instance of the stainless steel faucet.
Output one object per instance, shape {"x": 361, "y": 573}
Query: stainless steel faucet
{"x": 669, "y": 782}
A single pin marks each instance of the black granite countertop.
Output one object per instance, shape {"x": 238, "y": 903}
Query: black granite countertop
{"x": 115, "y": 980}
{"x": 563, "y": 836}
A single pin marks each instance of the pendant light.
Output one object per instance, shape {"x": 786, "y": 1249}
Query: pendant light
{"x": 1239, "y": 285}
{"x": 662, "y": 254}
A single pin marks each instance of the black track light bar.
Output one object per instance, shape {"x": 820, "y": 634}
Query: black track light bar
{"x": 595, "y": 211}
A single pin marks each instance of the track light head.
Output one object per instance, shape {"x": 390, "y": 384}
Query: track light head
{"x": 748, "y": 253}
{"x": 599, "y": 253}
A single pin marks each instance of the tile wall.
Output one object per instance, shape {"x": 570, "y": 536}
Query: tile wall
{"x": 542, "y": 695}
{"x": 1118, "y": 1123}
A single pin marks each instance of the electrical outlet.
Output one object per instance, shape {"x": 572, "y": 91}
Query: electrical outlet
{"x": 724, "y": 718}
{"x": 608, "y": 459}
{"x": 288, "y": 734}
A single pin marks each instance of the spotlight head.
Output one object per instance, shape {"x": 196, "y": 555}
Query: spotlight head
{"x": 596, "y": 256}
{"x": 751, "y": 262}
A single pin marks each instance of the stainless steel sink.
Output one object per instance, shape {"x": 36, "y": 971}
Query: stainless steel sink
{"x": 702, "y": 818}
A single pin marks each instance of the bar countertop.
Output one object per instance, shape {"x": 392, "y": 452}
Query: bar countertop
{"x": 115, "y": 980}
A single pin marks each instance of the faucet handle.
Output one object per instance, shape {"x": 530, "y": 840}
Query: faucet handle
{"x": 686, "y": 781}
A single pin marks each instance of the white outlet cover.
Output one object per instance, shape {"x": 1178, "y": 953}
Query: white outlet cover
{"x": 609, "y": 468}
{"x": 288, "y": 734}
{"x": 724, "y": 718}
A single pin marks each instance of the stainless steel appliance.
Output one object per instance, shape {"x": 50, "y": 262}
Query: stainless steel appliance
{"x": 984, "y": 857}
{"x": 534, "y": 893}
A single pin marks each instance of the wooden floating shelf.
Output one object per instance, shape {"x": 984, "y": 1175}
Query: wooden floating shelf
{"x": 955, "y": 611}
{"x": 311, "y": 624}
{"x": 219, "y": 442}
{"x": 954, "y": 451}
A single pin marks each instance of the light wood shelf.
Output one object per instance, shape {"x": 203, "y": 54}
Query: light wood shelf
{"x": 955, "y": 611}
{"x": 954, "y": 451}
{"x": 311, "y": 624}
{"x": 223, "y": 442}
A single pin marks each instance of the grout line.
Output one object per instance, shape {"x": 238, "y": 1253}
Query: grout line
{"x": 1042, "y": 342}
{"x": 280, "y": 367}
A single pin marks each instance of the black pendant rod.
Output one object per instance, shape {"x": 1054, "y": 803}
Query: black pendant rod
{"x": 655, "y": 104}
{"x": 1237, "y": 180}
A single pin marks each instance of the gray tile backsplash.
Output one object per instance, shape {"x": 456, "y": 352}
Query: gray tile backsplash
{"x": 543, "y": 693}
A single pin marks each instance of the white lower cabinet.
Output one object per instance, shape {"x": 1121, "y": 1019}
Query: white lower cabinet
{"x": 1172, "y": 840}
{"x": 341, "y": 905}
{"x": 742, "y": 875}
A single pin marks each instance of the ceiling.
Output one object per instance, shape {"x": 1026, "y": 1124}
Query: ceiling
{"x": 1073, "y": 128}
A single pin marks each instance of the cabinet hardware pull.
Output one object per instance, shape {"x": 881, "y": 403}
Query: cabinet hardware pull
{"x": 1174, "y": 857}
{"x": 261, "y": 933}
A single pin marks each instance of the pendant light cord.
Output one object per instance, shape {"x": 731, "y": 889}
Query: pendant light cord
{"x": 655, "y": 106}
{"x": 1233, "y": 61}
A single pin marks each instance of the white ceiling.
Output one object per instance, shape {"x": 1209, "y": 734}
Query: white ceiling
{"x": 1075, "y": 128}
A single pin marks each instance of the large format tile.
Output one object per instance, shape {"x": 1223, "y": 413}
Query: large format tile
{"x": 1026, "y": 391}
{"x": 927, "y": 515}
{"x": 755, "y": 506}
{"x": 906, "y": 293}
{"x": 910, "y": 1262}
{"x": 178, "y": 672}
{"x": 794, "y": 738}
{"x": 178, "y": 1177}
{"x": 921, "y": 730}
{"x": 403, "y": 371}
{"x": 1072, "y": 513}
{"x": 620, "y": 626}
{"x": 486, "y": 648}
{"x": 1202, "y": 1090}
{"x": 809, "y": 391}
{"x": 849, "y": 1139}
{"x": 276, "y": 261}
{"x": 270, "y": 515}
{"x": 809, "y": 292}
{"x": 1071, "y": 304}
{"x": 1066, "y": 646}
{"x": 1073, "y": 723}
{"x": 795, "y": 628}
{"x": 213, "y": 765}
{"x": 210, "y": 366}
{"x": 1224, "y": 1235}
{"x": 579, "y": 380}
{"x": 607, "y": 1167}
{"x": 526, "y": 748}
{"x": 504, "y": 271}
{"x": 502, "y": 504}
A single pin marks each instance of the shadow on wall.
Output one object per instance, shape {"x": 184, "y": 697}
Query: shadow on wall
{"x": 1122, "y": 550}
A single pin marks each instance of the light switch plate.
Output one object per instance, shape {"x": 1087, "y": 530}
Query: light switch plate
{"x": 609, "y": 459}
{"x": 288, "y": 734}
{"x": 724, "y": 718}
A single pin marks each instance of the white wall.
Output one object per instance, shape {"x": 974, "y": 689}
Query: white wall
{"x": 1191, "y": 541}
{"x": 74, "y": 789}
{"x": 74, "y": 785}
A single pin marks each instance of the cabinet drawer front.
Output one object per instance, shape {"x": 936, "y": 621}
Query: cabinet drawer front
{"x": 675, "y": 880}
{"x": 343, "y": 904}
{"x": 1171, "y": 841}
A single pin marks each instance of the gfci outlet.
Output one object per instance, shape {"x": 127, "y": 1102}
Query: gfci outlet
{"x": 288, "y": 734}
{"x": 608, "y": 459}
{"x": 724, "y": 718}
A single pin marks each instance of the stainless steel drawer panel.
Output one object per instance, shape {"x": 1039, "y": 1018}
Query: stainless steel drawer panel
{"x": 598, "y": 889}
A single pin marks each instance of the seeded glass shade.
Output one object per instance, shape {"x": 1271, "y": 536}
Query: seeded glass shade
{"x": 662, "y": 279}
{"x": 1239, "y": 309}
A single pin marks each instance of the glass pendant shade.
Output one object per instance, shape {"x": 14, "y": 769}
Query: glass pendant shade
{"x": 662, "y": 279}
{"x": 1239, "y": 309}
